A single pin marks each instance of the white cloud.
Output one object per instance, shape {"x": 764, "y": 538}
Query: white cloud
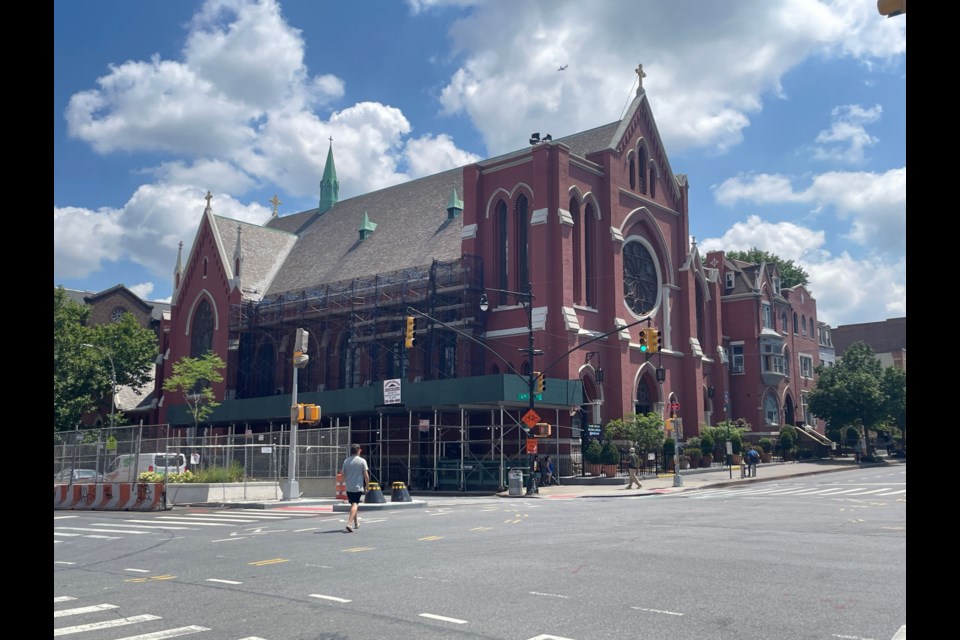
{"x": 84, "y": 239}
{"x": 428, "y": 155}
{"x": 847, "y": 137}
{"x": 785, "y": 239}
{"x": 708, "y": 65}
{"x": 875, "y": 204}
{"x": 143, "y": 290}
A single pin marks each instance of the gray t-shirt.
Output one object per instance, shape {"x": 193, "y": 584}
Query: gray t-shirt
{"x": 353, "y": 468}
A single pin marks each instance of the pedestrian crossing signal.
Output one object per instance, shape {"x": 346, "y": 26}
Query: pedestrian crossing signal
{"x": 308, "y": 413}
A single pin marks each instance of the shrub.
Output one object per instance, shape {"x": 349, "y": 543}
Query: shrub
{"x": 668, "y": 448}
{"x": 692, "y": 452}
{"x": 707, "y": 443}
{"x": 736, "y": 442}
{"x": 766, "y": 444}
{"x": 593, "y": 452}
{"x": 610, "y": 453}
{"x": 233, "y": 473}
{"x": 806, "y": 454}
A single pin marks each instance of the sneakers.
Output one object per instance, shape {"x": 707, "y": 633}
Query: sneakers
{"x": 356, "y": 523}
{"x": 349, "y": 530}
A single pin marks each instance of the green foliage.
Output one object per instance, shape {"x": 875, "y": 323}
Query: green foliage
{"x": 707, "y": 442}
{"x": 766, "y": 444}
{"x": 233, "y": 473}
{"x": 191, "y": 379}
{"x": 610, "y": 453}
{"x": 593, "y": 453}
{"x": 83, "y": 376}
{"x": 855, "y": 391}
{"x": 669, "y": 448}
{"x": 693, "y": 453}
{"x": 851, "y": 436}
{"x": 643, "y": 431}
{"x": 790, "y": 273}
{"x": 788, "y": 438}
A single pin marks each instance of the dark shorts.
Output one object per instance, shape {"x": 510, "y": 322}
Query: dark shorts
{"x": 353, "y": 497}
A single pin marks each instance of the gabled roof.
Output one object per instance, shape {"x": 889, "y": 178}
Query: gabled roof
{"x": 264, "y": 250}
{"x": 154, "y": 308}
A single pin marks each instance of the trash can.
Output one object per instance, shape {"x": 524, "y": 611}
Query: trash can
{"x": 515, "y": 478}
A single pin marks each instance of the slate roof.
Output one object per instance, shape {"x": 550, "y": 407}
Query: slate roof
{"x": 412, "y": 230}
{"x": 264, "y": 251}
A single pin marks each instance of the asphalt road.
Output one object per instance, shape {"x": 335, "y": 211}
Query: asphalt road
{"x": 810, "y": 557}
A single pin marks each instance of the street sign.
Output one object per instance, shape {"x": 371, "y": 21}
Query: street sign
{"x": 526, "y": 396}
{"x": 424, "y": 424}
{"x": 530, "y": 418}
{"x": 531, "y": 445}
{"x": 674, "y": 406}
{"x": 391, "y": 391}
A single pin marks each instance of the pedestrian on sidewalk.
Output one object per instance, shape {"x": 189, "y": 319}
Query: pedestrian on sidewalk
{"x": 356, "y": 477}
{"x": 546, "y": 472}
{"x": 753, "y": 457}
{"x": 534, "y": 475}
{"x": 632, "y": 465}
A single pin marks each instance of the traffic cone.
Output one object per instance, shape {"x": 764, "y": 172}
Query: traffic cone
{"x": 374, "y": 494}
{"x": 341, "y": 487}
{"x": 400, "y": 493}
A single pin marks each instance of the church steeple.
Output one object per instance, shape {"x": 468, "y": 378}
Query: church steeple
{"x": 329, "y": 185}
{"x": 178, "y": 270}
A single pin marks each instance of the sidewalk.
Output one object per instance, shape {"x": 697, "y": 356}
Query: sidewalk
{"x": 584, "y": 487}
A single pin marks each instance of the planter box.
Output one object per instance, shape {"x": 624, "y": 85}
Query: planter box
{"x": 198, "y": 492}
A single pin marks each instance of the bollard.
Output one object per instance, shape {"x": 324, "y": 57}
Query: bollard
{"x": 400, "y": 493}
{"x": 374, "y": 494}
{"x": 341, "y": 487}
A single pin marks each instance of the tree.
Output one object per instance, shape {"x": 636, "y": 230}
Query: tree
{"x": 192, "y": 378}
{"x": 790, "y": 273}
{"x": 894, "y": 385}
{"x": 83, "y": 376}
{"x": 644, "y": 431}
{"x": 852, "y": 392}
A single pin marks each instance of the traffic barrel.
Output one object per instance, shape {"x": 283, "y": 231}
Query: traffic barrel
{"x": 374, "y": 494}
{"x": 341, "y": 486}
{"x": 400, "y": 493}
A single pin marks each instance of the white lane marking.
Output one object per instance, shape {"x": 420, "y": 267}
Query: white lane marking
{"x": 64, "y": 631}
{"x": 62, "y": 517}
{"x": 81, "y": 610}
{"x": 216, "y": 517}
{"x": 552, "y": 595}
{"x": 229, "y": 539}
{"x": 547, "y": 636}
{"x": 138, "y": 526}
{"x": 443, "y": 618}
{"x": 99, "y": 530}
{"x": 901, "y": 633}
{"x": 669, "y": 613}
{"x": 63, "y": 599}
{"x": 169, "y": 633}
{"x": 223, "y": 581}
{"x": 188, "y": 522}
{"x": 333, "y": 598}
{"x": 67, "y": 535}
{"x": 138, "y": 570}
{"x": 894, "y": 493}
{"x": 62, "y": 561}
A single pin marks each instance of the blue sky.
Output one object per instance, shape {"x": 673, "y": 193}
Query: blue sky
{"x": 787, "y": 116}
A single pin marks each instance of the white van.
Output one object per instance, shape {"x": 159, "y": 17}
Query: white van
{"x": 127, "y": 467}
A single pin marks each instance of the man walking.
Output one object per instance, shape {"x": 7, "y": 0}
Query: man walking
{"x": 356, "y": 477}
{"x": 632, "y": 467}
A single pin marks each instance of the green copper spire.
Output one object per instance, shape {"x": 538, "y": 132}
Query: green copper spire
{"x": 366, "y": 227}
{"x": 329, "y": 185}
{"x": 454, "y": 205}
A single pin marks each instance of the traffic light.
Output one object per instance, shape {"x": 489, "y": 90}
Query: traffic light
{"x": 891, "y": 8}
{"x": 308, "y": 413}
{"x": 410, "y": 337}
{"x": 655, "y": 340}
{"x": 539, "y": 382}
{"x": 644, "y": 347}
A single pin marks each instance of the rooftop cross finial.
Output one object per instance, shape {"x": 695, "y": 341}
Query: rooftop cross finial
{"x": 640, "y": 76}
{"x": 276, "y": 203}
{"x": 208, "y": 198}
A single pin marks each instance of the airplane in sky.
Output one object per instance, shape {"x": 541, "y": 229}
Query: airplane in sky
{"x": 562, "y": 67}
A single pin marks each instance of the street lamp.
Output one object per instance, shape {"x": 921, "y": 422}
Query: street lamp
{"x": 526, "y": 300}
{"x": 113, "y": 381}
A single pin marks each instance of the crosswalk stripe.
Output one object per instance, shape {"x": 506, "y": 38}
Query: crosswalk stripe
{"x": 99, "y": 530}
{"x": 169, "y": 633}
{"x": 107, "y": 624}
{"x": 81, "y": 610}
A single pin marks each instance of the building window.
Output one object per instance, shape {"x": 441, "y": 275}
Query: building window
{"x": 784, "y": 325}
{"x": 589, "y": 255}
{"x": 776, "y": 285}
{"x": 653, "y": 181}
{"x": 808, "y": 418}
{"x": 642, "y": 168}
{"x": 806, "y": 366}
{"x": 522, "y": 221}
{"x": 796, "y": 325}
{"x": 771, "y": 410}
{"x": 633, "y": 173}
{"x": 803, "y": 325}
{"x": 736, "y": 358}
{"x": 767, "y": 316}
{"x": 577, "y": 238}
{"x": 771, "y": 358}
{"x": 730, "y": 275}
{"x": 503, "y": 250}
{"x": 641, "y": 281}
{"x": 117, "y": 314}
{"x": 205, "y": 261}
